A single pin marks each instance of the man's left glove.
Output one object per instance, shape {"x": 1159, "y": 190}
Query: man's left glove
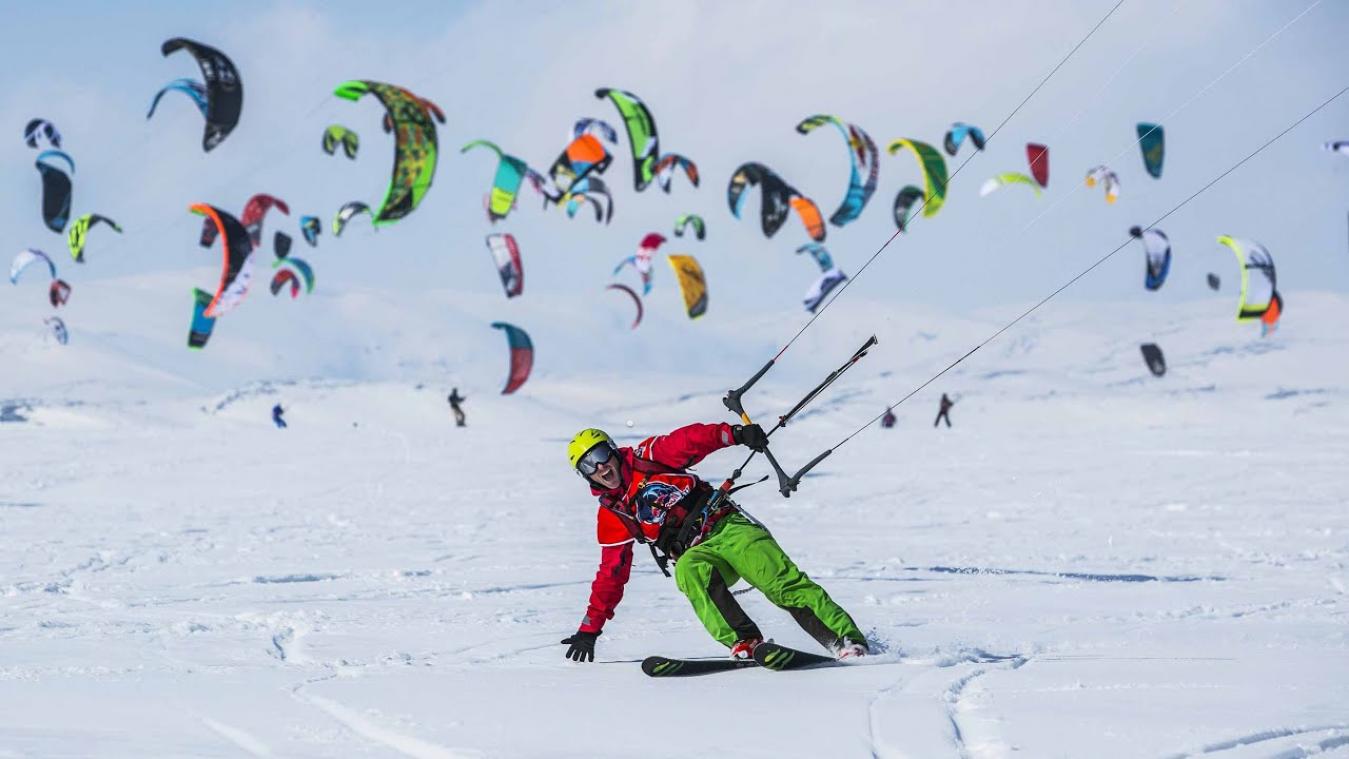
{"x": 751, "y": 436}
{"x": 582, "y": 646}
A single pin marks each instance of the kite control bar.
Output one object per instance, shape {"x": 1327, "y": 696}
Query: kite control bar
{"x": 786, "y": 484}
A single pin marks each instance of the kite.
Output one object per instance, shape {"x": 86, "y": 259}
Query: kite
{"x": 522, "y": 356}
{"x": 1108, "y": 178}
{"x": 582, "y": 156}
{"x": 957, "y": 134}
{"x": 281, "y": 244}
{"x": 41, "y": 128}
{"x": 345, "y": 214}
{"x": 641, "y": 134}
{"x": 237, "y": 259}
{"x": 1152, "y": 141}
{"x": 1214, "y": 282}
{"x": 1157, "y": 248}
{"x": 415, "y": 147}
{"x": 75, "y": 240}
{"x": 934, "y": 171}
{"x": 904, "y": 205}
{"x": 1260, "y": 297}
{"x": 636, "y": 301}
{"x": 431, "y": 109}
{"x": 822, "y": 287}
{"x": 665, "y": 170}
{"x": 641, "y": 260}
{"x": 337, "y": 134}
{"x": 202, "y": 325}
{"x": 224, "y": 91}
{"x": 863, "y": 158}
{"x": 58, "y": 328}
{"x": 1334, "y": 146}
{"x": 190, "y": 87}
{"x": 685, "y": 219}
{"x": 598, "y": 127}
{"x": 1038, "y": 158}
{"x": 819, "y": 253}
{"x": 510, "y": 174}
{"x": 692, "y": 283}
{"x": 255, "y": 210}
{"x": 506, "y": 255}
{"x": 592, "y": 190}
{"x": 56, "y": 189}
{"x": 297, "y": 273}
{"x": 1155, "y": 361}
{"x": 58, "y": 293}
{"x": 310, "y": 228}
{"x": 1007, "y": 178}
{"x": 778, "y": 198}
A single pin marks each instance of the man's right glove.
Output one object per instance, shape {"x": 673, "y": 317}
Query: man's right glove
{"x": 582, "y": 646}
{"x": 751, "y": 436}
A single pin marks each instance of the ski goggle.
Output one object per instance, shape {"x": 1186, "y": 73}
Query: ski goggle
{"x": 592, "y": 459}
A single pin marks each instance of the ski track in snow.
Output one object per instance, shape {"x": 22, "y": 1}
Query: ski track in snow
{"x": 1339, "y": 736}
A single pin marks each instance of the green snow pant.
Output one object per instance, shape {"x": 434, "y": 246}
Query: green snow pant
{"x": 737, "y": 549}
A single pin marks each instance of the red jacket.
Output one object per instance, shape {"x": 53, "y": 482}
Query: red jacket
{"x": 677, "y": 450}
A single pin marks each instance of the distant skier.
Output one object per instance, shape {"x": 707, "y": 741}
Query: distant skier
{"x": 455, "y": 399}
{"x": 277, "y": 411}
{"x": 945, "y": 411}
{"x": 647, "y": 496}
{"x": 889, "y": 419}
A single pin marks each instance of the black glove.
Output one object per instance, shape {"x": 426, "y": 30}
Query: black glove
{"x": 582, "y": 646}
{"x": 751, "y": 436}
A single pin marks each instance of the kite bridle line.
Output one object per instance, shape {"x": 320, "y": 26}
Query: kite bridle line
{"x": 1097, "y": 263}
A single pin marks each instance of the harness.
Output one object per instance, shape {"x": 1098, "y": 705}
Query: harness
{"x": 693, "y": 522}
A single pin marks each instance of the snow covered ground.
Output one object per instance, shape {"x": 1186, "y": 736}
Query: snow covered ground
{"x": 1091, "y": 563}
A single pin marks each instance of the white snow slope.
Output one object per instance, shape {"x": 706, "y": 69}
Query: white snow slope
{"x": 1091, "y": 563}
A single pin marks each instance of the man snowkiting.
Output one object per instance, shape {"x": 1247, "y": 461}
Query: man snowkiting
{"x": 647, "y": 495}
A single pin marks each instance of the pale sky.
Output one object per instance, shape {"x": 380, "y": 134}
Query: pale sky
{"x": 726, "y": 82}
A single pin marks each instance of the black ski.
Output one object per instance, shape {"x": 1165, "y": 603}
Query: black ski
{"x": 660, "y": 666}
{"x": 770, "y": 655}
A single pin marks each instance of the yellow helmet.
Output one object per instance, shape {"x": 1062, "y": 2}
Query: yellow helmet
{"x": 585, "y": 440}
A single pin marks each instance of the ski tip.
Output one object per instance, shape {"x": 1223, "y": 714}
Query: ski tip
{"x": 659, "y": 666}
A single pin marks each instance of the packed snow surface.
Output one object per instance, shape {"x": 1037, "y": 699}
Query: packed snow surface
{"x": 1092, "y": 562}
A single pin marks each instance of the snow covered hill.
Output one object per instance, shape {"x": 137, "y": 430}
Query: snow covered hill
{"x": 1092, "y": 562}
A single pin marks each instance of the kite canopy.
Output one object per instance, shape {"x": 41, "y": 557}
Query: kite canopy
{"x": 692, "y": 283}
{"x": 202, "y": 325}
{"x": 311, "y": 228}
{"x": 1007, "y": 178}
{"x": 58, "y": 328}
{"x": 27, "y": 257}
{"x": 41, "y": 129}
{"x": 415, "y": 148}
{"x": 1259, "y": 293}
{"x": 335, "y": 135}
{"x": 255, "y": 210}
{"x": 1338, "y": 146}
{"x": 1214, "y": 282}
{"x": 224, "y": 90}
{"x": 506, "y": 254}
{"x": 522, "y": 356}
{"x": 293, "y": 271}
{"x": 510, "y": 174}
{"x": 591, "y": 190}
{"x": 641, "y": 260}
{"x": 863, "y": 158}
{"x": 1155, "y": 360}
{"x": 1152, "y": 141}
{"x": 665, "y": 170}
{"x": 1157, "y": 248}
{"x": 1107, "y": 178}
{"x": 778, "y": 198}
{"x": 56, "y": 189}
{"x": 237, "y": 259}
{"x": 346, "y": 213}
{"x": 685, "y": 219}
{"x": 822, "y": 287}
{"x": 79, "y": 232}
{"x": 905, "y": 201}
{"x": 190, "y": 87}
{"x": 583, "y": 156}
{"x": 636, "y": 301}
{"x": 819, "y": 253}
{"x": 933, "y": 167}
{"x": 957, "y": 134}
{"x": 642, "y": 138}
{"x": 1038, "y": 158}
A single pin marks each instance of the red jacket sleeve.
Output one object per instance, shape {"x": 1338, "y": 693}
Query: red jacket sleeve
{"x": 686, "y": 446}
{"x": 607, "y": 589}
